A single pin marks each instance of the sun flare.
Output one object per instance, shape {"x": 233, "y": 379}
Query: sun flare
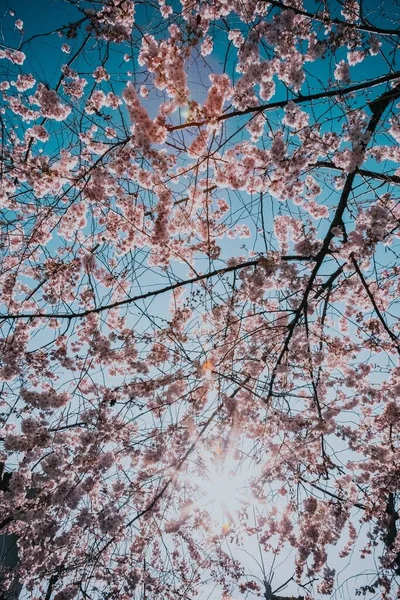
{"x": 223, "y": 489}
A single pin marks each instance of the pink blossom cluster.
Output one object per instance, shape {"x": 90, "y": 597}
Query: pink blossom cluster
{"x": 167, "y": 62}
{"x": 18, "y": 108}
{"x": 259, "y": 74}
{"x": 47, "y": 399}
{"x": 351, "y": 11}
{"x": 95, "y": 103}
{"x": 342, "y": 72}
{"x": 25, "y": 82}
{"x": 145, "y": 131}
{"x": 114, "y": 21}
{"x": 37, "y": 132}
{"x": 207, "y": 46}
{"x": 356, "y": 133}
{"x": 67, "y": 593}
{"x": 287, "y": 229}
{"x": 199, "y": 146}
{"x": 294, "y": 116}
{"x": 395, "y": 127}
{"x": 110, "y": 521}
{"x": 100, "y": 74}
{"x": 50, "y": 104}
{"x": 75, "y": 87}
{"x": 202, "y": 279}
{"x": 15, "y": 56}
{"x": 291, "y": 71}
{"x": 220, "y": 91}
{"x": 13, "y": 347}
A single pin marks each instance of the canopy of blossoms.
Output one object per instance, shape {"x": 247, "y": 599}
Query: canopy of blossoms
{"x": 199, "y": 309}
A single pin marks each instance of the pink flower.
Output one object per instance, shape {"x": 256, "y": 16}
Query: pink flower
{"x": 206, "y": 46}
{"x": 50, "y": 105}
{"x": 342, "y": 72}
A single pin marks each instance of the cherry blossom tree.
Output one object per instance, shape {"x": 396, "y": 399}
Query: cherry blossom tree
{"x": 200, "y": 215}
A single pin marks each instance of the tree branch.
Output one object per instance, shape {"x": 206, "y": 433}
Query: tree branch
{"x": 296, "y": 100}
{"x": 329, "y": 20}
{"x": 151, "y": 294}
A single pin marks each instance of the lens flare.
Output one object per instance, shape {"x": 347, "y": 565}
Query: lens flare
{"x": 224, "y": 489}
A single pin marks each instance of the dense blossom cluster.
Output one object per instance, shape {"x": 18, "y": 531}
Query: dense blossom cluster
{"x": 114, "y": 21}
{"x": 50, "y": 105}
{"x": 199, "y": 339}
{"x": 166, "y": 61}
{"x": 145, "y": 131}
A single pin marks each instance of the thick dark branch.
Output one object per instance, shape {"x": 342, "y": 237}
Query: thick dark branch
{"x": 270, "y": 595}
{"x": 331, "y": 494}
{"x": 52, "y": 581}
{"x": 336, "y": 221}
{"x": 63, "y": 28}
{"x": 6, "y": 522}
{"x": 391, "y": 532}
{"x": 394, "y": 179}
{"x": 332, "y": 20}
{"x": 390, "y": 333}
{"x": 151, "y": 294}
{"x": 328, "y": 283}
{"x": 296, "y": 100}
{"x": 378, "y": 107}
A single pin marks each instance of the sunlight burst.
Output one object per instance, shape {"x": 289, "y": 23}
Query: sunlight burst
{"x": 223, "y": 490}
